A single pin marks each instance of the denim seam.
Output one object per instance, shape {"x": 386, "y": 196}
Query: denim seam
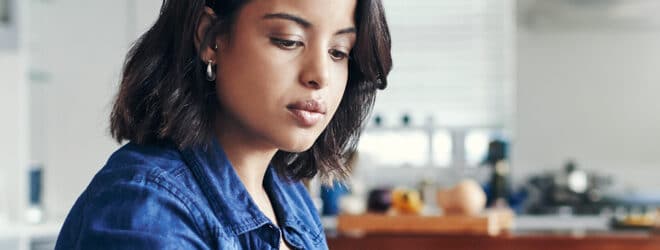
{"x": 213, "y": 201}
{"x": 315, "y": 233}
{"x": 247, "y": 225}
{"x": 180, "y": 170}
{"x": 159, "y": 180}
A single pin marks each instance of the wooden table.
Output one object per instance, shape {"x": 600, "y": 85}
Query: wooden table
{"x": 518, "y": 241}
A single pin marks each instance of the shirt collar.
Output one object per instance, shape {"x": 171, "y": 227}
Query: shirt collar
{"x": 229, "y": 198}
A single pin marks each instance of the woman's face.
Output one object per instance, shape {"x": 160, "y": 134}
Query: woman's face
{"x": 283, "y": 71}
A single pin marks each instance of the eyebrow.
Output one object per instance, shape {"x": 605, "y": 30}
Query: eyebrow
{"x": 304, "y": 23}
{"x": 346, "y": 30}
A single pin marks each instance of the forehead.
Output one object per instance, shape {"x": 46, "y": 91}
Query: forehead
{"x": 322, "y": 14}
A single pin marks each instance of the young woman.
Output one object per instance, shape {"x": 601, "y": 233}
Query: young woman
{"x": 227, "y": 105}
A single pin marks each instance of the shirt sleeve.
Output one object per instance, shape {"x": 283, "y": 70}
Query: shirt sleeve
{"x": 140, "y": 213}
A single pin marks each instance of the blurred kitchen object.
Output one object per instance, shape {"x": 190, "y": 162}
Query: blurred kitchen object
{"x": 353, "y": 200}
{"x": 34, "y": 213}
{"x": 466, "y": 198}
{"x": 331, "y": 194}
{"x": 641, "y": 220}
{"x": 570, "y": 191}
{"x": 352, "y": 204}
{"x": 407, "y": 201}
{"x": 428, "y": 191}
{"x": 498, "y": 187}
{"x": 634, "y": 210}
{"x": 379, "y": 200}
{"x": 657, "y": 221}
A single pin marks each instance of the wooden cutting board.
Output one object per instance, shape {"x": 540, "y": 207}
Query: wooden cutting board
{"x": 489, "y": 223}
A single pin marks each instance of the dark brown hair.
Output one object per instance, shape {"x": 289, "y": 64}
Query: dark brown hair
{"x": 165, "y": 98}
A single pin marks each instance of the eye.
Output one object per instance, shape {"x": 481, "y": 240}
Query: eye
{"x": 285, "y": 44}
{"x": 338, "y": 54}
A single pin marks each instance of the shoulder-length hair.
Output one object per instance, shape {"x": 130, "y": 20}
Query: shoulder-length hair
{"x": 164, "y": 96}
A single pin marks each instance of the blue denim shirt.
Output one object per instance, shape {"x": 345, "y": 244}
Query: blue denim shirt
{"x": 157, "y": 197}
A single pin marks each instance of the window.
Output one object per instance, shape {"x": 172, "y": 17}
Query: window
{"x": 453, "y": 60}
{"x": 476, "y": 147}
{"x": 395, "y": 147}
{"x": 442, "y": 148}
{"x": 452, "y": 80}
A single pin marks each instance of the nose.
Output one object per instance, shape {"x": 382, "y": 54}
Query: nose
{"x": 315, "y": 71}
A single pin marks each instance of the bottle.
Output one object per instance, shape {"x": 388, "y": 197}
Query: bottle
{"x": 34, "y": 214}
{"x": 499, "y": 187}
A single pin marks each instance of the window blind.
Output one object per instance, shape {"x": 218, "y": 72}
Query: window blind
{"x": 453, "y": 61}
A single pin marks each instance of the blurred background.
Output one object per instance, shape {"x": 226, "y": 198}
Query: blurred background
{"x": 550, "y": 107}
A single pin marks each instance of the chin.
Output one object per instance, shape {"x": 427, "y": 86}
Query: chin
{"x": 298, "y": 143}
{"x": 297, "y": 148}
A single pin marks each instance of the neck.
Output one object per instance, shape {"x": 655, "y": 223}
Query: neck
{"x": 247, "y": 153}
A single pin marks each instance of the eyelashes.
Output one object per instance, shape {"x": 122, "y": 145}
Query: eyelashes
{"x": 287, "y": 44}
{"x": 338, "y": 54}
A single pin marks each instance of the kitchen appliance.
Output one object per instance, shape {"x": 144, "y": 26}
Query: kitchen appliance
{"x": 570, "y": 191}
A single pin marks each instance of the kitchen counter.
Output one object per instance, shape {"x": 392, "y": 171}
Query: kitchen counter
{"x": 528, "y": 232}
{"x": 518, "y": 241}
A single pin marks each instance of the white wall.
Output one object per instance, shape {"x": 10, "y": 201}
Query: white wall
{"x": 14, "y": 122}
{"x": 77, "y": 50}
{"x": 592, "y": 95}
{"x": 13, "y": 131}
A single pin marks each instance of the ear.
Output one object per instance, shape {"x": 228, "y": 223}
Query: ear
{"x": 206, "y": 20}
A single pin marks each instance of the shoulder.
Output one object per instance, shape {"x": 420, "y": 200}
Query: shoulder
{"x": 140, "y": 189}
{"x": 156, "y": 170}
{"x": 141, "y": 158}
{"x": 160, "y": 166}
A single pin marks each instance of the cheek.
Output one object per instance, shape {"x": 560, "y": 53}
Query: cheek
{"x": 336, "y": 91}
{"x": 247, "y": 71}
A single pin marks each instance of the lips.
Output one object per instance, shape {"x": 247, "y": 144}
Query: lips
{"x": 307, "y": 113}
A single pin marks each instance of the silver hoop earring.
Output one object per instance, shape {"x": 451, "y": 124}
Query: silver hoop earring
{"x": 210, "y": 73}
